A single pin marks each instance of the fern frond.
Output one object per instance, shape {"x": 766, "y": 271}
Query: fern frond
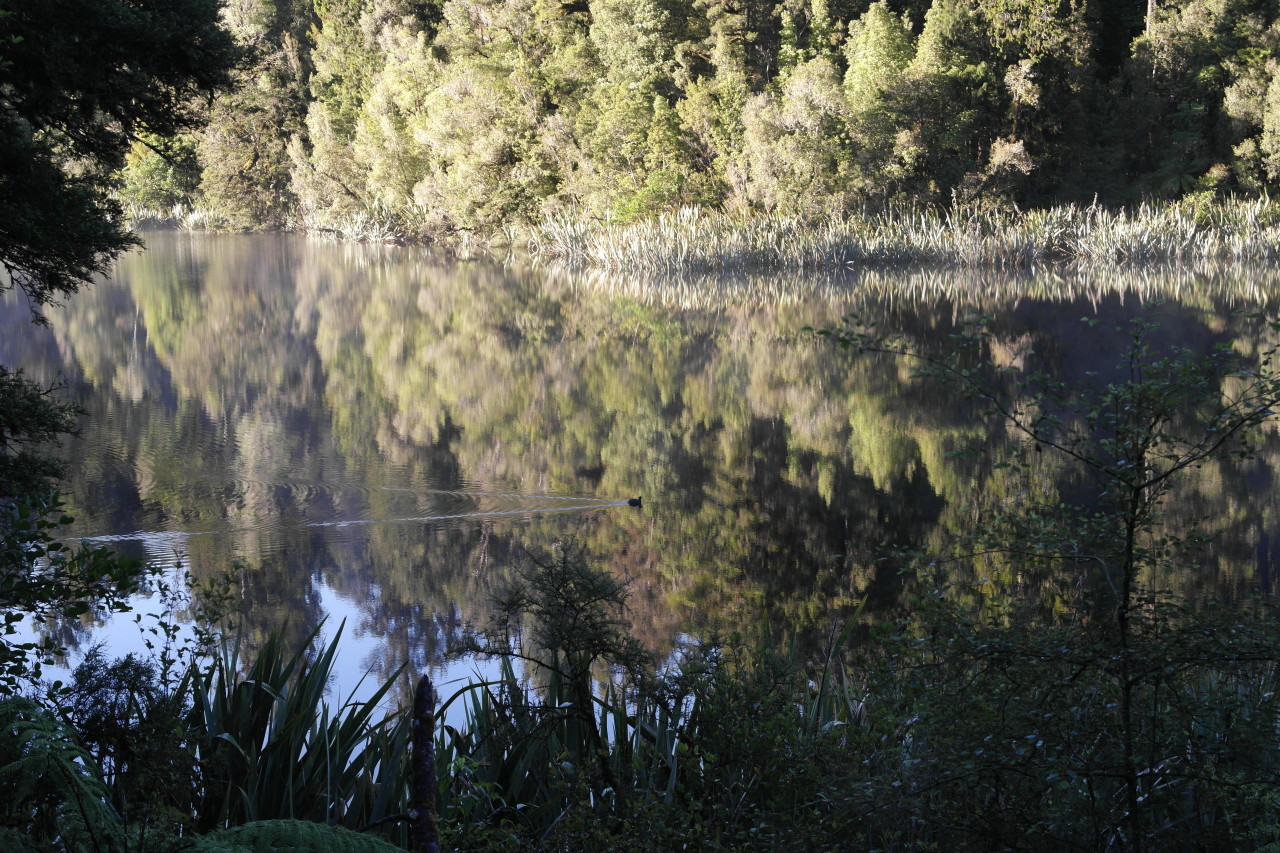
{"x": 50, "y": 786}
{"x": 290, "y": 836}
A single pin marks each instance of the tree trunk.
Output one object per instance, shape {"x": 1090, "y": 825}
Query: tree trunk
{"x": 424, "y": 830}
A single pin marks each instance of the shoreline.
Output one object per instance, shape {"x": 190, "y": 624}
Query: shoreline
{"x": 693, "y": 239}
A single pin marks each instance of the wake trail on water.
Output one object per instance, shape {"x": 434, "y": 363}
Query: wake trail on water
{"x": 172, "y": 537}
{"x": 462, "y": 493}
{"x": 488, "y": 514}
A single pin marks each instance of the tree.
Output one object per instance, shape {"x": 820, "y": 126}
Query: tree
{"x": 1196, "y": 86}
{"x": 245, "y": 180}
{"x": 878, "y": 49}
{"x": 636, "y": 158}
{"x": 711, "y": 109}
{"x": 31, "y": 416}
{"x": 949, "y": 104}
{"x": 565, "y": 618}
{"x": 80, "y": 80}
{"x": 355, "y": 137}
{"x": 491, "y": 129}
{"x": 797, "y": 143}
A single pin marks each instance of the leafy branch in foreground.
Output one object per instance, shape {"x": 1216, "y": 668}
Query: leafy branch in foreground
{"x": 42, "y": 578}
{"x": 31, "y": 416}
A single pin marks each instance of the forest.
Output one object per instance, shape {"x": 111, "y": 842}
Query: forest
{"x": 1083, "y": 655}
{"x": 422, "y": 118}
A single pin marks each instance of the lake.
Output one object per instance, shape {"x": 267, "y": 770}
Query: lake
{"x": 379, "y": 435}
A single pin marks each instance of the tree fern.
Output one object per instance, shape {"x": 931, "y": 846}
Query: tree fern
{"x": 50, "y": 786}
{"x": 290, "y": 836}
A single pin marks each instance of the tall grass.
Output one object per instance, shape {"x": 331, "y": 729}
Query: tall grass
{"x": 378, "y": 222}
{"x": 934, "y": 733}
{"x": 270, "y": 745}
{"x": 696, "y": 239}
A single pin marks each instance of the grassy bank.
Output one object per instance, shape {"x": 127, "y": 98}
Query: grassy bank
{"x": 936, "y": 732}
{"x": 695, "y": 239}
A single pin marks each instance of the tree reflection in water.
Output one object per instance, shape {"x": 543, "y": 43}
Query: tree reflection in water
{"x": 345, "y": 419}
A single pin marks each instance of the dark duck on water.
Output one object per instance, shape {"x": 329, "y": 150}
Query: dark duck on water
{"x": 635, "y": 502}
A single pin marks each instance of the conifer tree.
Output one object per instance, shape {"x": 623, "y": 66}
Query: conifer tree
{"x": 712, "y": 106}
{"x": 949, "y": 104}
{"x": 798, "y": 143}
{"x": 510, "y": 76}
{"x": 878, "y": 49}
{"x": 246, "y": 181}
{"x": 1269, "y": 141}
{"x": 627, "y": 124}
{"x": 1177, "y": 118}
{"x": 352, "y": 42}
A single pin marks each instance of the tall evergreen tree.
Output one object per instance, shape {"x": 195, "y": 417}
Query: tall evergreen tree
{"x": 950, "y": 105}
{"x": 1178, "y": 122}
{"x": 877, "y": 50}
{"x": 798, "y": 143}
{"x": 352, "y": 43}
{"x": 246, "y": 180}
{"x": 712, "y": 106}
{"x": 495, "y": 128}
{"x": 634, "y": 155}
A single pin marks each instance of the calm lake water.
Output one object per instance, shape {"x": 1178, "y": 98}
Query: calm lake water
{"x": 380, "y": 436}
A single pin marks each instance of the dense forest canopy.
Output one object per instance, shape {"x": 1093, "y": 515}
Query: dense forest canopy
{"x": 445, "y": 115}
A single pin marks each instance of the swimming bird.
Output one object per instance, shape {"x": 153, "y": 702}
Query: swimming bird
{"x": 635, "y": 502}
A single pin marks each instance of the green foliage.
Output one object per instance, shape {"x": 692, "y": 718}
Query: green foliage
{"x": 155, "y": 182}
{"x": 324, "y": 177}
{"x": 1016, "y": 732}
{"x": 269, "y": 747}
{"x": 1108, "y": 726}
{"x": 727, "y": 748}
{"x": 51, "y": 789}
{"x": 877, "y": 50}
{"x": 32, "y": 417}
{"x": 798, "y": 144}
{"x": 523, "y": 762}
{"x": 1198, "y": 80}
{"x": 245, "y": 182}
{"x": 133, "y": 724}
{"x": 480, "y": 115}
{"x": 184, "y": 743}
{"x": 79, "y": 82}
{"x": 289, "y": 836}
{"x": 44, "y": 579}
{"x": 1203, "y": 229}
{"x": 561, "y": 616}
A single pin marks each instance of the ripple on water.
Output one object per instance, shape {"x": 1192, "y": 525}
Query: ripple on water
{"x": 301, "y": 509}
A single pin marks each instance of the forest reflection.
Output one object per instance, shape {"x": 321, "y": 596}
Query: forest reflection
{"x": 399, "y": 429}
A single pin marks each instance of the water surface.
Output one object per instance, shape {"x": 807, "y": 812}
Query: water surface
{"x": 379, "y": 434}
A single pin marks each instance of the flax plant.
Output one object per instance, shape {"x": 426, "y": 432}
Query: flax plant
{"x": 270, "y": 745}
{"x": 695, "y": 239}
